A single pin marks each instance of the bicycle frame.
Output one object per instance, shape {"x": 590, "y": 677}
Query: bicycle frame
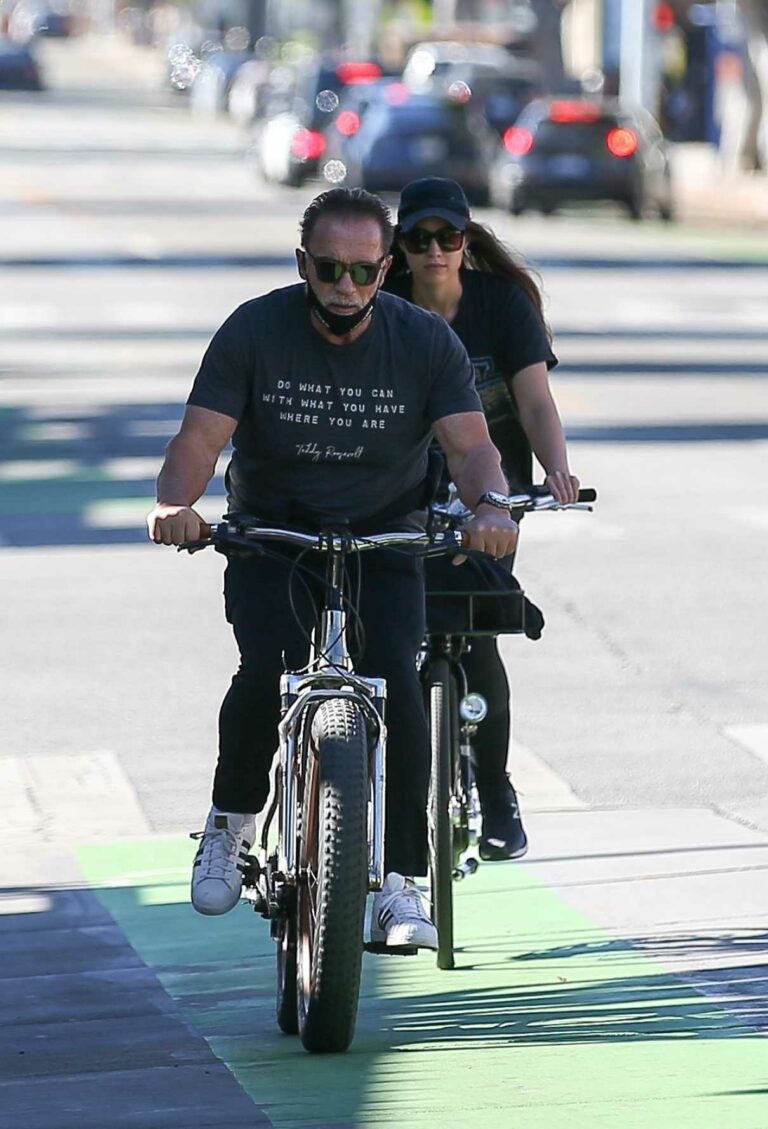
{"x": 330, "y": 675}
{"x": 464, "y": 805}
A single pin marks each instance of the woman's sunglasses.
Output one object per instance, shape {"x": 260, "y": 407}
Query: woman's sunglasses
{"x": 333, "y": 270}
{"x": 419, "y": 239}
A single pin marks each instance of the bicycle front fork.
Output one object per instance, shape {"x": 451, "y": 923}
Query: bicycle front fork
{"x": 464, "y": 806}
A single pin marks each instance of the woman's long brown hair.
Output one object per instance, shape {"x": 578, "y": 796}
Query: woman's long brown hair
{"x": 483, "y": 252}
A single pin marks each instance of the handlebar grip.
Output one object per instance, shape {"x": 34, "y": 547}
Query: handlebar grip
{"x": 206, "y": 531}
{"x": 587, "y": 495}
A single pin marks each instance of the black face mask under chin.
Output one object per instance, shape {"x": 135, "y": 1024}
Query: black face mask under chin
{"x": 339, "y": 324}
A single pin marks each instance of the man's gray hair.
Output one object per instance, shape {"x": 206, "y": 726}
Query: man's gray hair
{"x": 353, "y": 202}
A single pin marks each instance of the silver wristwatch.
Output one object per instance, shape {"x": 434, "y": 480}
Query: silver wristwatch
{"x": 493, "y": 498}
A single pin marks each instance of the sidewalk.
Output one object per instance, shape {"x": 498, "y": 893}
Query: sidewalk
{"x": 706, "y": 194}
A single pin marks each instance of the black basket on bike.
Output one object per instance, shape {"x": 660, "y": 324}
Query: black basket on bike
{"x": 479, "y": 597}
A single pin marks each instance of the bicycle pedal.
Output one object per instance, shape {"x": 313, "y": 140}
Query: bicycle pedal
{"x": 380, "y": 948}
{"x": 251, "y": 870}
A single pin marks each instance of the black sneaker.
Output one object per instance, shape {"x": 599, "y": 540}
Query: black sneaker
{"x": 503, "y": 835}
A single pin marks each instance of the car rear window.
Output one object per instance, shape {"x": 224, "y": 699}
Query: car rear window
{"x": 416, "y": 118}
{"x": 581, "y": 137}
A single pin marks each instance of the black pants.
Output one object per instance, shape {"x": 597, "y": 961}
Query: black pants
{"x": 256, "y": 591}
{"x": 486, "y": 675}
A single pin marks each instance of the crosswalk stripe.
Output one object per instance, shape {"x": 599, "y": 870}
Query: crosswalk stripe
{"x": 123, "y": 513}
{"x": 538, "y": 786}
{"x": 66, "y": 797}
{"x": 36, "y": 470}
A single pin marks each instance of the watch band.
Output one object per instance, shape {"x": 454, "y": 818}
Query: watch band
{"x": 493, "y": 498}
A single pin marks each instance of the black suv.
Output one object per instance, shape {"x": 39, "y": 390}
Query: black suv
{"x": 562, "y": 150}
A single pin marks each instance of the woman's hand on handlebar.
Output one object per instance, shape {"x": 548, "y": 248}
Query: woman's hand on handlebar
{"x": 172, "y": 525}
{"x": 491, "y": 531}
{"x": 563, "y": 487}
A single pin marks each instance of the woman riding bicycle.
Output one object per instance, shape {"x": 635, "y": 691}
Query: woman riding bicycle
{"x": 447, "y": 263}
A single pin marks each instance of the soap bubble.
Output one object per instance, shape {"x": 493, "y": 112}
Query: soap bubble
{"x": 184, "y": 66}
{"x": 327, "y": 101}
{"x": 459, "y": 92}
{"x": 335, "y": 172}
{"x": 237, "y": 39}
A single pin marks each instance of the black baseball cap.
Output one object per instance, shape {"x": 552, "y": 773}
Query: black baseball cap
{"x": 433, "y": 196}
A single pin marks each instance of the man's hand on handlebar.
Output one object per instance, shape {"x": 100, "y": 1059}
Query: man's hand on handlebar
{"x": 172, "y": 525}
{"x": 491, "y": 531}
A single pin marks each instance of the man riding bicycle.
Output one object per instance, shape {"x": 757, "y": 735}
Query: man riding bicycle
{"x": 330, "y": 393}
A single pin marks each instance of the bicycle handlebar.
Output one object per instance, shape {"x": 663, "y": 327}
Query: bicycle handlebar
{"x": 226, "y": 533}
{"x": 245, "y": 536}
{"x": 529, "y": 501}
{"x": 538, "y": 498}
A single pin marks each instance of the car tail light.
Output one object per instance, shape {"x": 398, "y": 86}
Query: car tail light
{"x": 308, "y": 145}
{"x": 621, "y": 142}
{"x": 353, "y": 73}
{"x": 347, "y": 123}
{"x": 518, "y": 141}
{"x": 574, "y": 111}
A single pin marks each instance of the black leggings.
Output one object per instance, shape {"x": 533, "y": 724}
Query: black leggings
{"x": 256, "y": 592}
{"x": 487, "y": 676}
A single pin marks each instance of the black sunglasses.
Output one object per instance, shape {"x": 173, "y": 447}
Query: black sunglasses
{"x": 332, "y": 270}
{"x": 419, "y": 239}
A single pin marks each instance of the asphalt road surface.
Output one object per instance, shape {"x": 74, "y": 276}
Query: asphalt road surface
{"x": 617, "y": 975}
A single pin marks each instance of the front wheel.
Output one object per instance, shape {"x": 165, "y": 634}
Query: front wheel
{"x": 439, "y": 687}
{"x": 333, "y": 876}
{"x": 286, "y": 1005}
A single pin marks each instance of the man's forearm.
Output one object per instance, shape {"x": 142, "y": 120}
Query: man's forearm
{"x": 184, "y": 475}
{"x": 477, "y": 472}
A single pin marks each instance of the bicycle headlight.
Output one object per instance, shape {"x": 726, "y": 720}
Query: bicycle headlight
{"x": 473, "y": 708}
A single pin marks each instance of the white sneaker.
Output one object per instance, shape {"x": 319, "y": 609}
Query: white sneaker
{"x": 399, "y": 915}
{"x": 217, "y": 872}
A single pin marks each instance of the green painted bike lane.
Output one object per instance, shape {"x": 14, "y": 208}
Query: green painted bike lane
{"x": 547, "y": 1023}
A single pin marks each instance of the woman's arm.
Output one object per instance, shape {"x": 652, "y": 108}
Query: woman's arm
{"x": 541, "y": 423}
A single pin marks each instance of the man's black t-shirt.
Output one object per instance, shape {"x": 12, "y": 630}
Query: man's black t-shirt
{"x": 331, "y": 432}
{"x": 503, "y": 333}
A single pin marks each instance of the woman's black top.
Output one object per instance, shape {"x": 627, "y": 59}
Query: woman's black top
{"x": 503, "y": 333}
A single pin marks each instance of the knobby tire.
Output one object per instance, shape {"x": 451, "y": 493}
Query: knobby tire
{"x": 439, "y": 696}
{"x": 333, "y": 854}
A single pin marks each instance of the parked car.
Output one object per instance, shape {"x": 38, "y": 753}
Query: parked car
{"x": 354, "y": 103}
{"x": 55, "y": 23}
{"x": 583, "y": 149}
{"x": 209, "y": 93}
{"x": 248, "y": 92}
{"x": 500, "y": 92}
{"x": 39, "y": 18}
{"x": 19, "y": 69}
{"x": 409, "y": 135}
{"x": 292, "y": 140}
{"x": 497, "y": 81}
